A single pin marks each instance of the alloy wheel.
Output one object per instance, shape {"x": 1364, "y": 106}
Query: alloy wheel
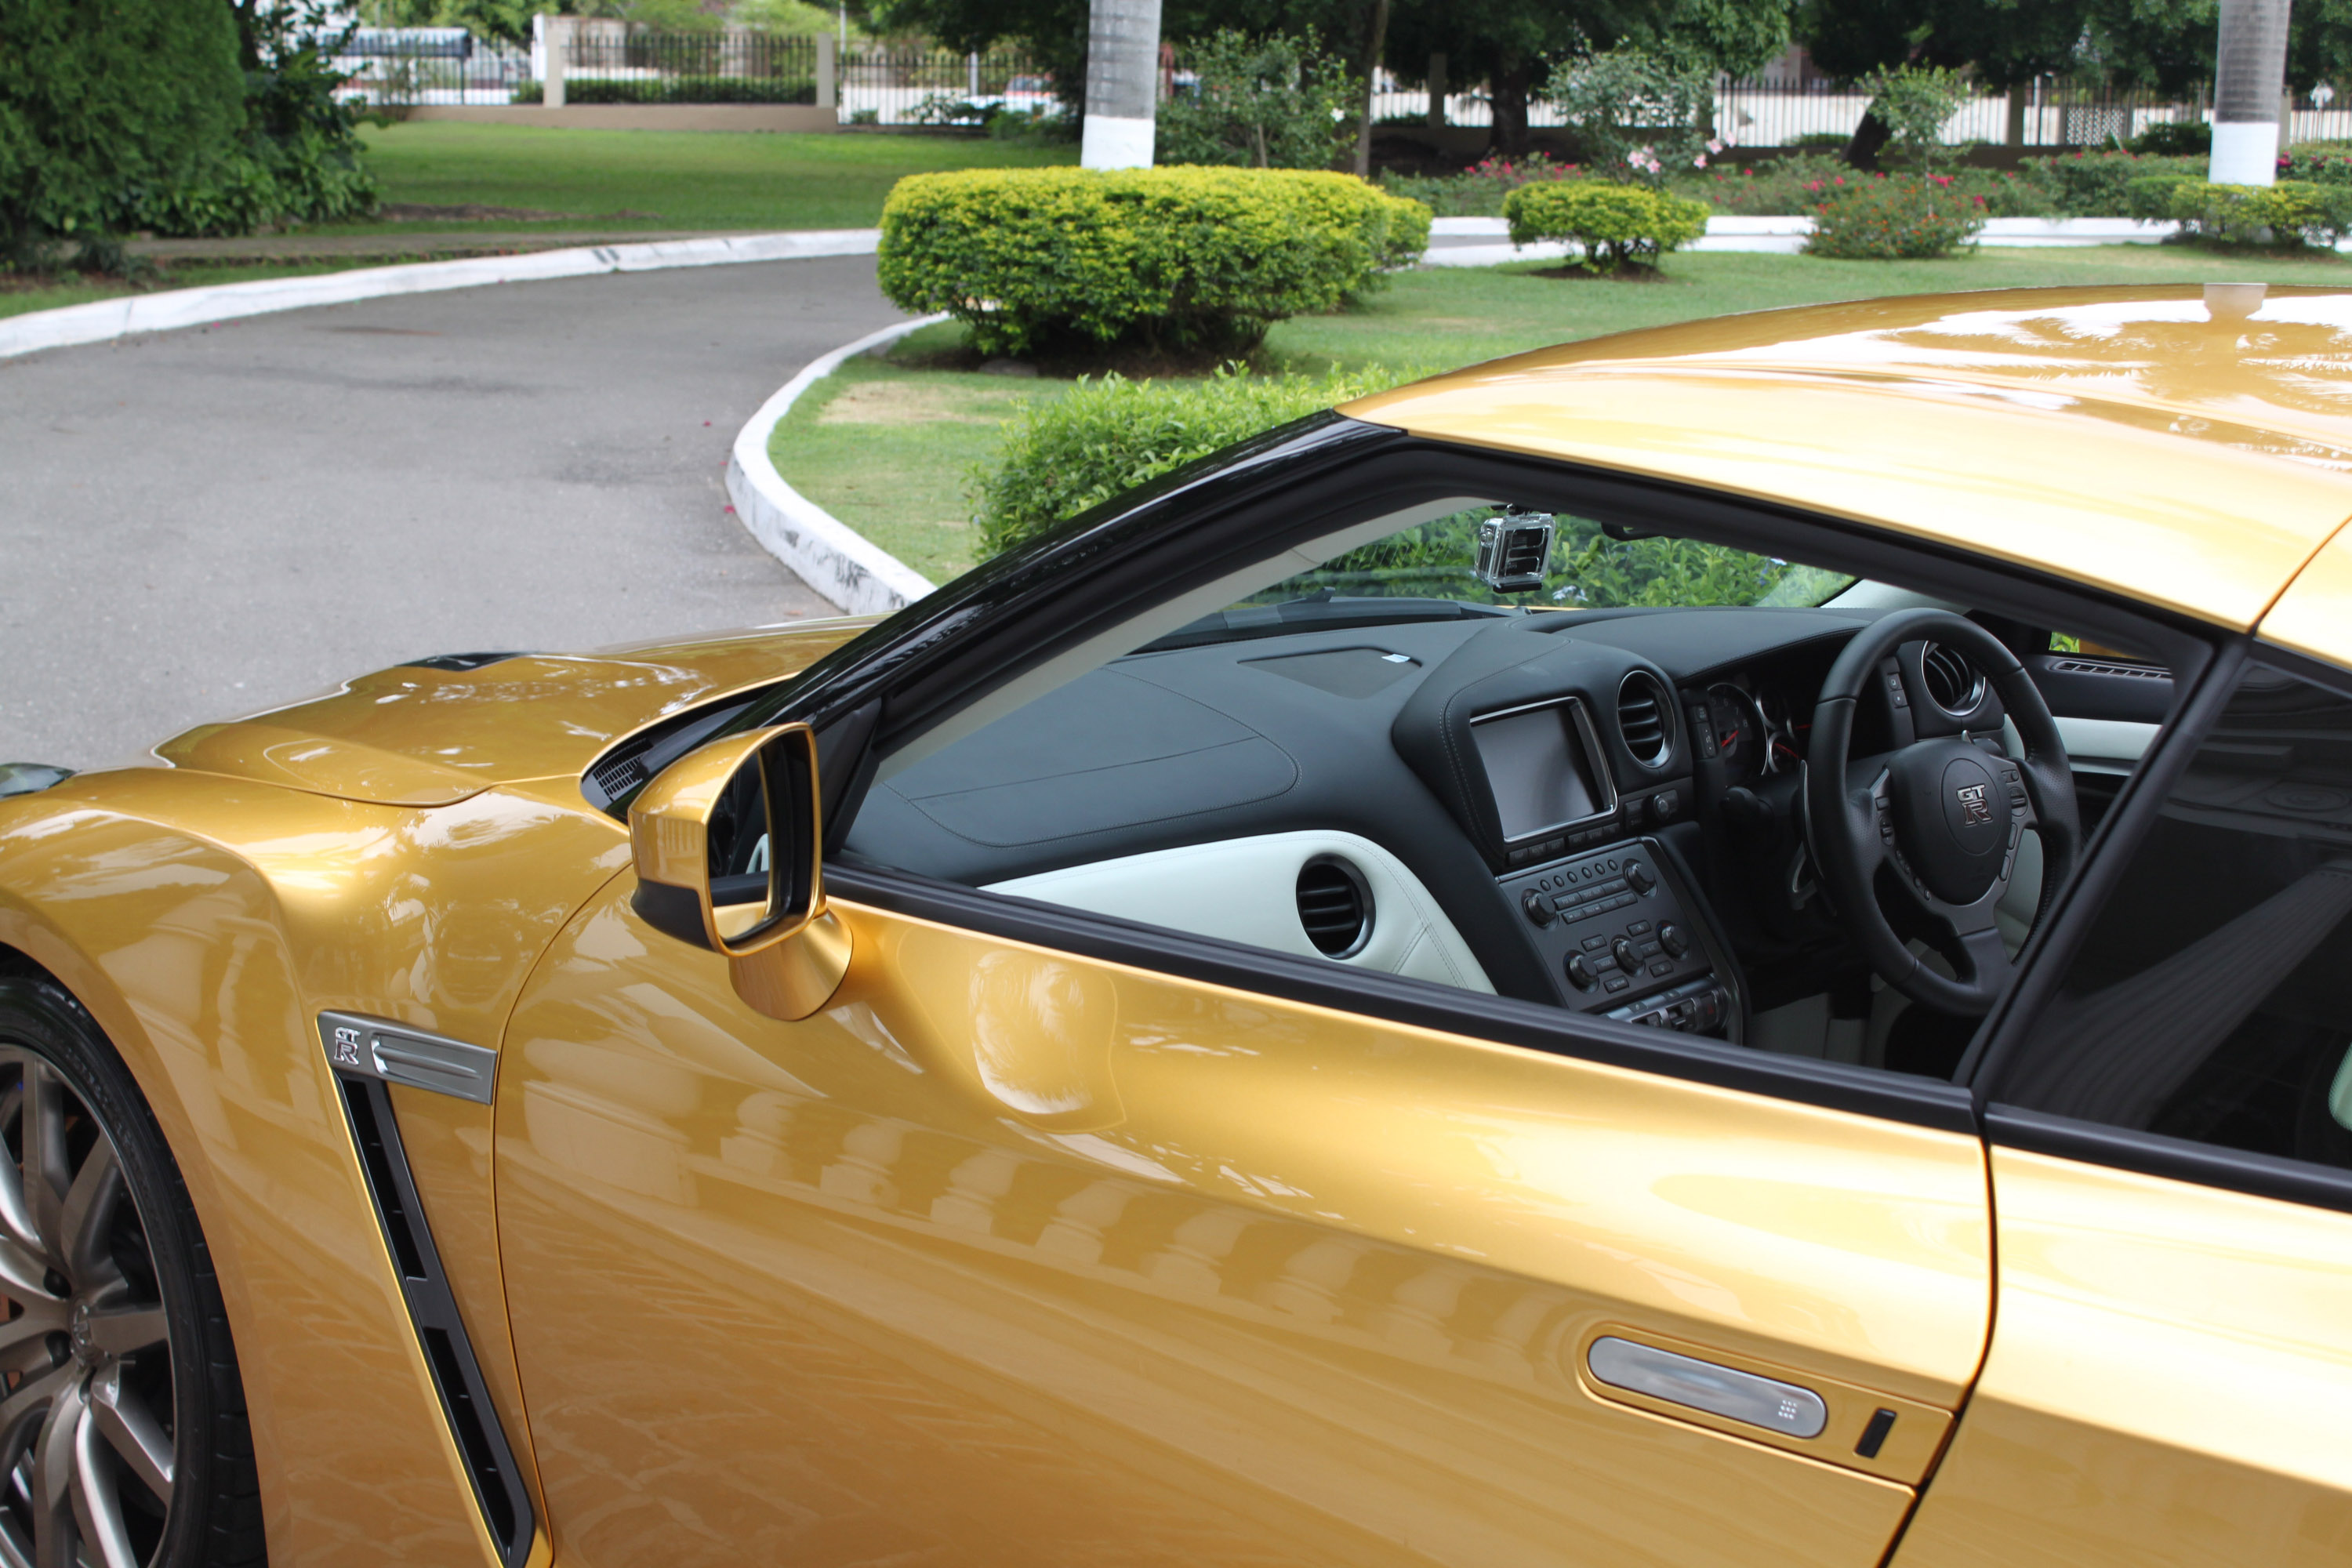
{"x": 86, "y": 1420}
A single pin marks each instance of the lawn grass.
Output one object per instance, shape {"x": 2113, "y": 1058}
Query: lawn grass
{"x": 886, "y": 446}
{"x": 19, "y": 296}
{"x": 667, "y": 179}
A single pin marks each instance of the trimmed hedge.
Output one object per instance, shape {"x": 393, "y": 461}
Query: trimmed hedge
{"x": 1104, "y": 438}
{"x": 2092, "y": 184}
{"x": 1618, "y": 226}
{"x": 677, "y": 90}
{"x": 1904, "y": 218}
{"x": 98, "y": 98}
{"x": 1183, "y": 259}
{"x": 2290, "y": 212}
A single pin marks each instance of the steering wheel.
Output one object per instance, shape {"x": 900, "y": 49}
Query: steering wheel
{"x": 1939, "y": 821}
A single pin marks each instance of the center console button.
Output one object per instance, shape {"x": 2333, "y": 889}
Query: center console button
{"x": 1627, "y": 959}
{"x": 1580, "y": 974}
{"x": 1638, "y": 876}
{"x": 1538, "y": 910}
{"x": 1671, "y": 938}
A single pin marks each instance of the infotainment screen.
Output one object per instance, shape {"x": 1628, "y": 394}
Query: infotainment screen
{"x": 1537, "y": 766}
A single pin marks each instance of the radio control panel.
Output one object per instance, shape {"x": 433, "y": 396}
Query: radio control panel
{"x": 1617, "y": 939}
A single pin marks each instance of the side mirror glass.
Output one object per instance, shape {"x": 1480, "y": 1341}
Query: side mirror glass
{"x": 727, "y": 845}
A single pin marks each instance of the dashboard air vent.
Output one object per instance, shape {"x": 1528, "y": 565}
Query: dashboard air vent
{"x": 1335, "y": 908}
{"x": 1953, "y": 683}
{"x": 1645, "y": 718}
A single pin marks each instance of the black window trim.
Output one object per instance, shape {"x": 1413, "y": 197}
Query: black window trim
{"x": 2128, "y": 825}
{"x": 2172, "y": 1159}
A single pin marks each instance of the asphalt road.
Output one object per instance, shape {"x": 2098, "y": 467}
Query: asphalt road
{"x": 201, "y": 524}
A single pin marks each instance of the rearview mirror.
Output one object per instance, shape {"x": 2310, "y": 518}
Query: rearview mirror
{"x": 725, "y": 842}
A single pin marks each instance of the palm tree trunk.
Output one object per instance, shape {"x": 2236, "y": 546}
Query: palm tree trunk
{"x": 1373, "y": 45}
{"x": 2250, "y": 66}
{"x": 1122, "y": 83}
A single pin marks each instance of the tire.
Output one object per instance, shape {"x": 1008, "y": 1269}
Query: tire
{"x": 117, "y": 1350}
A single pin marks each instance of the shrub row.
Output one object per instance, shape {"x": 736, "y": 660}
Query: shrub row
{"x": 677, "y": 90}
{"x": 2290, "y": 213}
{"x": 1172, "y": 259}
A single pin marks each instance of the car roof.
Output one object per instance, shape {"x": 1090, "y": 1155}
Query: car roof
{"x": 2189, "y": 446}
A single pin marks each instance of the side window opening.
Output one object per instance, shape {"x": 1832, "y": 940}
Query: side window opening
{"x": 2211, "y": 1000}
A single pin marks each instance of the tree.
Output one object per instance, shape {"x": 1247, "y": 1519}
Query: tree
{"x": 1517, "y": 44}
{"x": 2008, "y": 43}
{"x": 98, "y": 97}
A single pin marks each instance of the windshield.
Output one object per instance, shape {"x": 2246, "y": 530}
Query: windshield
{"x": 1430, "y": 572}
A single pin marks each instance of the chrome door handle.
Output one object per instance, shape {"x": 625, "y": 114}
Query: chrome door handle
{"x": 1683, "y": 1380}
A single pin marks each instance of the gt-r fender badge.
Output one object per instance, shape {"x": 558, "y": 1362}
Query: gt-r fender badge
{"x": 347, "y": 1046}
{"x": 1974, "y": 806}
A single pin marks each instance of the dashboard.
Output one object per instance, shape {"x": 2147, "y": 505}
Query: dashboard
{"x": 1594, "y": 810}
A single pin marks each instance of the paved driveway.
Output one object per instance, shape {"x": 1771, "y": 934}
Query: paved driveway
{"x": 199, "y": 523}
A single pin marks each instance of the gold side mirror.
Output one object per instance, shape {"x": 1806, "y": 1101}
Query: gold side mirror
{"x": 727, "y": 843}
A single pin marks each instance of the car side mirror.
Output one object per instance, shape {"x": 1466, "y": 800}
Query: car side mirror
{"x": 726, "y": 844}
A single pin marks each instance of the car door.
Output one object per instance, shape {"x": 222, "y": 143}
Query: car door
{"x": 2172, "y": 1173}
{"x": 1052, "y": 1240}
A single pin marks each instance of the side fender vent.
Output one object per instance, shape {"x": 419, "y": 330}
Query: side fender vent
{"x": 356, "y": 1050}
{"x": 1334, "y": 907}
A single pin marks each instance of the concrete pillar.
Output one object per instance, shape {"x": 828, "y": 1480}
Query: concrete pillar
{"x": 1122, "y": 80}
{"x": 828, "y": 71}
{"x": 2251, "y": 63}
{"x": 2013, "y": 128}
{"x": 559, "y": 50}
{"x": 1438, "y": 92}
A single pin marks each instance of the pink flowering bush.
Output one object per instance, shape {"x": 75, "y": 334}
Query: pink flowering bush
{"x": 1910, "y": 218}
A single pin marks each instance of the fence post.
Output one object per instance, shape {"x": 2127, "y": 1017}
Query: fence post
{"x": 1437, "y": 91}
{"x": 2013, "y": 130}
{"x": 559, "y": 48}
{"x": 972, "y": 74}
{"x": 828, "y": 71}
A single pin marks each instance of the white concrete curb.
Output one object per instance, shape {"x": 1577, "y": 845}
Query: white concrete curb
{"x": 158, "y": 312}
{"x": 840, "y": 563}
{"x": 1788, "y": 236}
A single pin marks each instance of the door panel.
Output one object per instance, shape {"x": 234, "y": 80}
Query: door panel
{"x": 1010, "y": 1257}
{"x": 2168, "y": 1384}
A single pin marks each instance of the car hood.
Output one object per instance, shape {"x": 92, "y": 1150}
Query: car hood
{"x": 421, "y": 736}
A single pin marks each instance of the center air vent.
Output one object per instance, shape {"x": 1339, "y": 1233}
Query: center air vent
{"x": 1953, "y": 683}
{"x": 1334, "y": 907}
{"x": 1645, "y": 718}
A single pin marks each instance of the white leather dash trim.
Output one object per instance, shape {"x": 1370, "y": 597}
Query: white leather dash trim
{"x": 2119, "y": 743}
{"x": 1246, "y": 889}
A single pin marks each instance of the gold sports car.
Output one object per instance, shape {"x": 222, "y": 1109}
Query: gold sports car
{"x": 1721, "y": 946}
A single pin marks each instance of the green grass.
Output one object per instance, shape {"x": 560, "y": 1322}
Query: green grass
{"x": 887, "y": 448}
{"x": 891, "y": 459}
{"x": 680, "y": 179}
{"x": 17, "y": 296}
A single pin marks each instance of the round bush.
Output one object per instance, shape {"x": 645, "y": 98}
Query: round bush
{"x": 1891, "y": 219}
{"x": 1618, "y": 226}
{"x": 1182, "y": 258}
{"x": 1104, "y": 437}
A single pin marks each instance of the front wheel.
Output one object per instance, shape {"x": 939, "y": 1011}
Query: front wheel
{"x": 123, "y": 1439}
